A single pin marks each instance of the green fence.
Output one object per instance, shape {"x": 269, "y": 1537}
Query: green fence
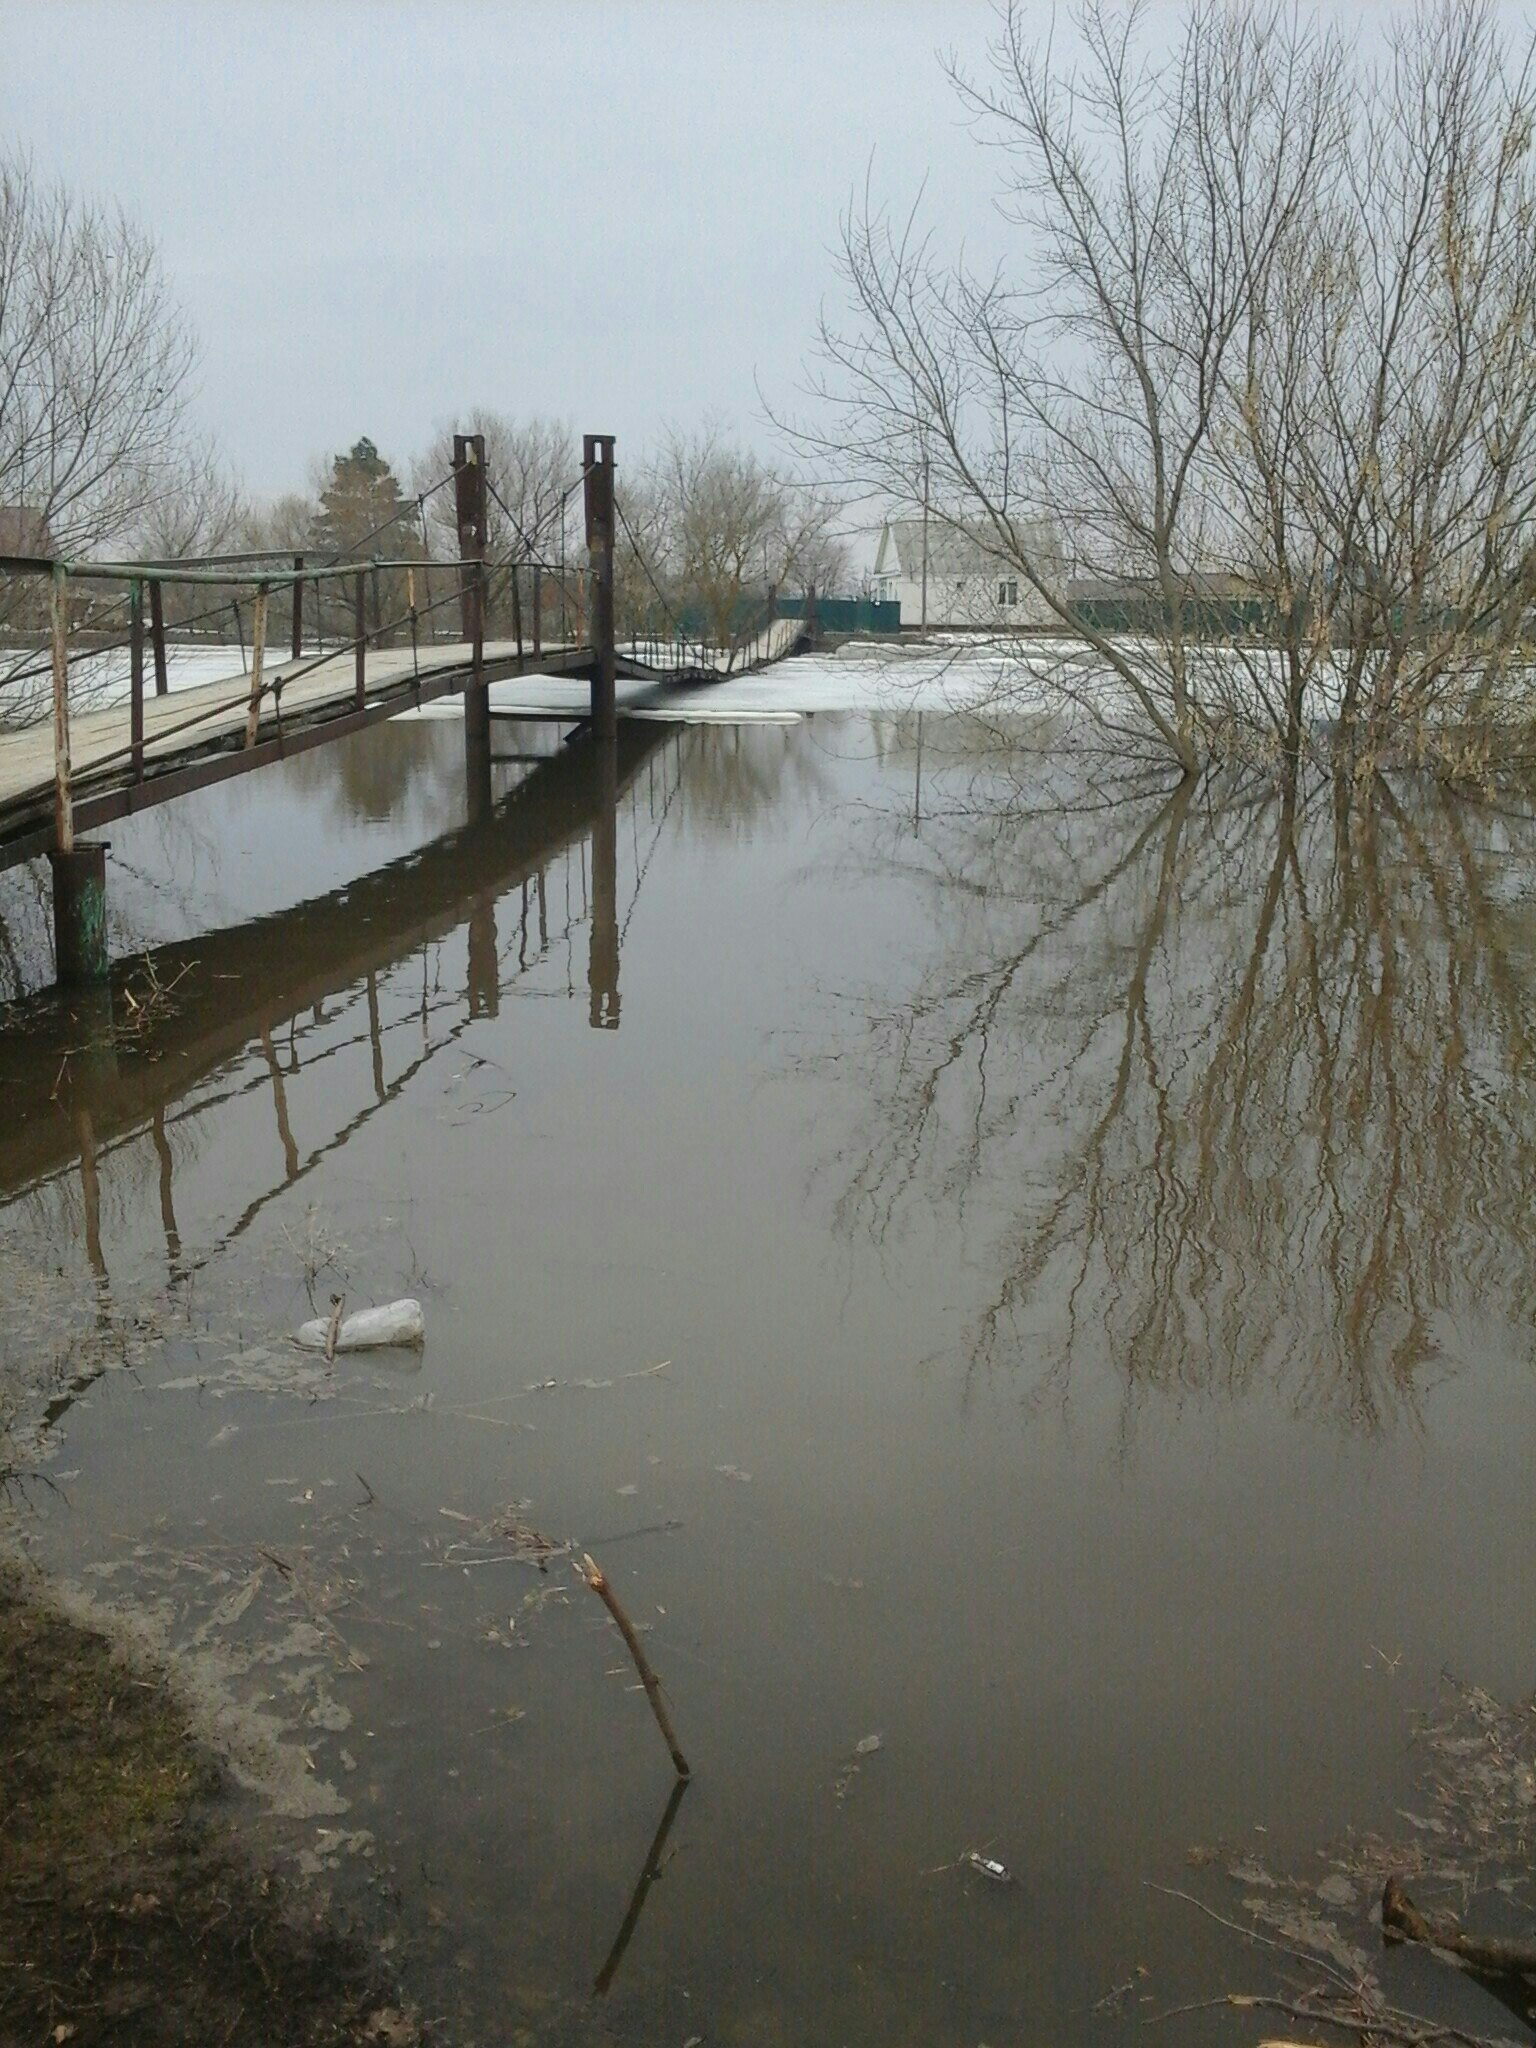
{"x": 845, "y": 614}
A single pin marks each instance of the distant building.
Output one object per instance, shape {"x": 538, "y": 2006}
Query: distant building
{"x": 969, "y": 584}
{"x": 24, "y": 530}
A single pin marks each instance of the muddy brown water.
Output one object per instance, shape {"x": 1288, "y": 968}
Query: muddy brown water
{"x": 1089, "y": 1244}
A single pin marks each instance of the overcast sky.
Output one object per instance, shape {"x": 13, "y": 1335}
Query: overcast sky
{"x": 378, "y": 214}
{"x": 617, "y": 212}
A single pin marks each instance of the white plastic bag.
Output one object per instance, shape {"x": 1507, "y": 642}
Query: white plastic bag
{"x": 393, "y": 1322}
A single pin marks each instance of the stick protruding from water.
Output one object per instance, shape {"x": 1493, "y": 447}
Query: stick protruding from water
{"x": 595, "y": 1578}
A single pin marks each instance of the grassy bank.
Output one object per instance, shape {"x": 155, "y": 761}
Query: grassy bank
{"x": 130, "y": 1911}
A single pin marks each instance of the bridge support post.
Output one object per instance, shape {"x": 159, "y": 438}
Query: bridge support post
{"x": 469, "y": 504}
{"x": 136, "y": 676}
{"x": 597, "y": 462}
{"x": 79, "y": 867}
{"x": 477, "y": 754}
{"x": 80, "y": 912}
{"x": 157, "y": 635}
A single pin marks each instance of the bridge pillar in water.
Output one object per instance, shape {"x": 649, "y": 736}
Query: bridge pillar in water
{"x": 603, "y": 958}
{"x": 477, "y": 754}
{"x": 80, "y": 912}
{"x": 597, "y": 463}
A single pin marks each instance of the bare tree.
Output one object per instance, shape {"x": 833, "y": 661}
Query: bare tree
{"x": 533, "y": 512}
{"x": 202, "y": 510}
{"x": 94, "y": 365}
{"x": 282, "y": 526}
{"x": 731, "y": 533}
{"x": 1264, "y": 359}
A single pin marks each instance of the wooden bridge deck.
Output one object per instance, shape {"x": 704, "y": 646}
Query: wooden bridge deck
{"x": 197, "y": 735}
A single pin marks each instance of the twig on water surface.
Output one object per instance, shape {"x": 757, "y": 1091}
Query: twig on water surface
{"x": 1381, "y": 2023}
{"x": 600, "y": 1586}
{"x": 1353, "y": 2008}
{"x": 1283, "y": 1948}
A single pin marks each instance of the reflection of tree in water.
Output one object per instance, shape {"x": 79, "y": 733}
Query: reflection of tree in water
{"x": 735, "y": 775}
{"x": 370, "y": 775}
{"x": 1227, "y": 1092}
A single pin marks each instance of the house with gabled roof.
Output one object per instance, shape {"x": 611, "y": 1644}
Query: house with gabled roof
{"x": 967, "y": 582}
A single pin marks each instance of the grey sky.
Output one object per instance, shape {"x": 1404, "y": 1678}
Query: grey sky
{"x": 380, "y": 212}
{"x": 377, "y": 214}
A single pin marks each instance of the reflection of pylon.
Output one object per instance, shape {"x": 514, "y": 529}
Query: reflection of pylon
{"x": 603, "y": 958}
{"x": 484, "y": 980}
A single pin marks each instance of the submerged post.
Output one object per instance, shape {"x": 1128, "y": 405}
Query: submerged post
{"x": 79, "y": 871}
{"x": 597, "y": 463}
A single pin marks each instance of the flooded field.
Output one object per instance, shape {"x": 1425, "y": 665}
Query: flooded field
{"x": 1033, "y": 1268}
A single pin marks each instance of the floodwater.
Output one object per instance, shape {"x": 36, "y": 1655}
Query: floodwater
{"x": 1029, "y": 1267}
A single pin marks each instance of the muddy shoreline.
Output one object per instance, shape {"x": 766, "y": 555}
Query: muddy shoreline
{"x": 132, "y": 1909}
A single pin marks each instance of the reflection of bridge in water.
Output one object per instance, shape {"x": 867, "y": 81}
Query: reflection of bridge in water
{"x": 300, "y": 989}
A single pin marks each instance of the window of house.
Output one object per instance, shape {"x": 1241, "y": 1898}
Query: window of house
{"x": 1013, "y": 593}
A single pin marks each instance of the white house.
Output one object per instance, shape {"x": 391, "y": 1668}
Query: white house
{"x": 967, "y": 584}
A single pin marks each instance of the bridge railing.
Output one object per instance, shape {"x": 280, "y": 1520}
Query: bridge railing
{"x": 84, "y": 671}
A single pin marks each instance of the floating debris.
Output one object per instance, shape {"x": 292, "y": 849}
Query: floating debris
{"x": 842, "y": 1784}
{"x": 371, "y": 1329}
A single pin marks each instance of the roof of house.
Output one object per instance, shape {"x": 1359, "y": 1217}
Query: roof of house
{"x": 950, "y": 554}
{"x": 23, "y": 530}
{"x": 954, "y": 555}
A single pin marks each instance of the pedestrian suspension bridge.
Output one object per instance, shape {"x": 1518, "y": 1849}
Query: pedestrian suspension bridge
{"x": 98, "y": 752}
